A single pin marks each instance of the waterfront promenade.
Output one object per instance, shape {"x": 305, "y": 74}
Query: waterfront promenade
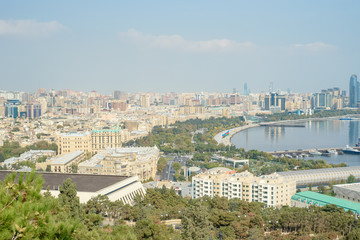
{"x": 227, "y": 140}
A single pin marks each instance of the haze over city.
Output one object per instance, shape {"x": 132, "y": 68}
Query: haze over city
{"x": 178, "y": 46}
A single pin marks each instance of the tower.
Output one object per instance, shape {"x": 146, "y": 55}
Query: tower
{"x": 354, "y": 91}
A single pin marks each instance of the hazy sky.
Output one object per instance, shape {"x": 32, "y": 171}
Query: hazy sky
{"x": 178, "y": 45}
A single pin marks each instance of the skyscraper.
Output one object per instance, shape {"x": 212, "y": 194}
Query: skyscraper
{"x": 354, "y": 91}
{"x": 246, "y": 92}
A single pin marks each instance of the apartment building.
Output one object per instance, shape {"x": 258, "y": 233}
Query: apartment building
{"x": 108, "y": 138}
{"x": 93, "y": 142}
{"x": 72, "y": 142}
{"x": 273, "y": 190}
{"x": 137, "y": 161}
{"x": 63, "y": 164}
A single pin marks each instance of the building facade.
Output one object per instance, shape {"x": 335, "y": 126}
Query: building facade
{"x": 274, "y": 100}
{"x": 108, "y": 138}
{"x": 139, "y": 161}
{"x": 353, "y": 91}
{"x": 72, "y": 142}
{"x": 273, "y": 190}
{"x": 63, "y": 164}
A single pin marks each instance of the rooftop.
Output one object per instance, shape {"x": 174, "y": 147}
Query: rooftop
{"x": 67, "y": 158}
{"x": 75, "y": 134}
{"x": 322, "y": 170}
{"x": 351, "y": 186}
{"x": 322, "y": 200}
{"x": 84, "y": 182}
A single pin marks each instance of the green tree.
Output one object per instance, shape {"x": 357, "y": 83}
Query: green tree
{"x": 161, "y": 164}
{"x": 68, "y": 198}
{"x": 48, "y": 168}
{"x": 351, "y": 179}
{"x": 196, "y": 223}
{"x": 26, "y": 214}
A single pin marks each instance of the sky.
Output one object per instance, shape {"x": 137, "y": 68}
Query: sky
{"x": 178, "y": 46}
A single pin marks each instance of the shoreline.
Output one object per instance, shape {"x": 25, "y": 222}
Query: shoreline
{"x": 227, "y": 140}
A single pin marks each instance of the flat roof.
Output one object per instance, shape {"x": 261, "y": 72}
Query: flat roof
{"x": 84, "y": 182}
{"x": 67, "y": 158}
{"x": 321, "y": 170}
{"x": 350, "y": 186}
{"x": 322, "y": 200}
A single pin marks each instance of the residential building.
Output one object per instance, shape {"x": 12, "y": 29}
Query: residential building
{"x": 72, "y": 142}
{"x": 63, "y": 164}
{"x": 102, "y": 139}
{"x": 137, "y": 161}
{"x": 273, "y": 190}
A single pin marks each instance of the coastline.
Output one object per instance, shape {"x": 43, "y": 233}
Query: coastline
{"x": 227, "y": 140}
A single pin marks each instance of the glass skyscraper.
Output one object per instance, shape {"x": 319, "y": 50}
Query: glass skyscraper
{"x": 354, "y": 91}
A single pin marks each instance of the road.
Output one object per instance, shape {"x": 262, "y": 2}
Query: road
{"x": 169, "y": 171}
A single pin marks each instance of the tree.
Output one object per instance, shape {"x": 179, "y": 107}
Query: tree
{"x": 68, "y": 198}
{"x": 351, "y": 179}
{"x": 26, "y": 213}
{"x": 176, "y": 166}
{"x": 161, "y": 164}
{"x": 48, "y": 168}
{"x": 196, "y": 223}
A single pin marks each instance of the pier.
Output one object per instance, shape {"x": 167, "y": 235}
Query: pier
{"x": 282, "y": 124}
{"x": 310, "y": 152}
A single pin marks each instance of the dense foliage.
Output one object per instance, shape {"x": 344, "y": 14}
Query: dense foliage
{"x": 193, "y": 135}
{"x": 13, "y": 149}
{"x": 25, "y": 213}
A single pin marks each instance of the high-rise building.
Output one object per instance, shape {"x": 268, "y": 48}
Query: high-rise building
{"x": 145, "y": 101}
{"x": 246, "y": 91}
{"x": 117, "y": 94}
{"x": 274, "y": 100}
{"x": 12, "y": 109}
{"x": 354, "y": 91}
{"x": 33, "y": 110}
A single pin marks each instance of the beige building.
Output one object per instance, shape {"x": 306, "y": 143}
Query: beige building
{"x": 108, "y": 138}
{"x": 138, "y": 161}
{"x": 72, "y": 142}
{"x": 145, "y": 101}
{"x": 273, "y": 190}
{"x": 63, "y": 164}
{"x": 188, "y": 110}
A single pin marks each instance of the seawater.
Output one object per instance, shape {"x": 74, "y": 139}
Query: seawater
{"x": 324, "y": 133}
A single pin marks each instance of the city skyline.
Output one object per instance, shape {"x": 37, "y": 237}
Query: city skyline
{"x": 178, "y": 47}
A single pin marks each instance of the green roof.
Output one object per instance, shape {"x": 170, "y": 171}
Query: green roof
{"x": 318, "y": 199}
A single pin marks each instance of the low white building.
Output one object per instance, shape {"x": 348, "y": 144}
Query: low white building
{"x": 88, "y": 186}
{"x": 349, "y": 191}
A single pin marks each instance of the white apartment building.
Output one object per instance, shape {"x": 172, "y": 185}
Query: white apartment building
{"x": 273, "y": 190}
{"x": 132, "y": 161}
